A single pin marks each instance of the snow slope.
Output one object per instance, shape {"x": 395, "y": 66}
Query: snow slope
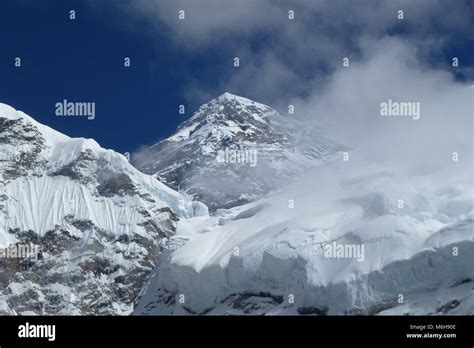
{"x": 101, "y": 224}
{"x": 256, "y": 258}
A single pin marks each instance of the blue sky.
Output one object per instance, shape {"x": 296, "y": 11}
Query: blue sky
{"x": 82, "y": 60}
{"x": 190, "y": 62}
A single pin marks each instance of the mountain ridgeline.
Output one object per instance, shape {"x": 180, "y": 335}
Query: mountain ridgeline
{"x": 233, "y": 151}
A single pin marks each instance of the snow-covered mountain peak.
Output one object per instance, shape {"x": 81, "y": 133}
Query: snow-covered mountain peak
{"x": 188, "y": 159}
{"x": 8, "y": 112}
{"x": 236, "y": 100}
{"x": 230, "y": 96}
{"x": 27, "y": 144}
{"x": 51, "y": 136}
{"x": 99, "y": 222}
{"x": 229, "y": 108}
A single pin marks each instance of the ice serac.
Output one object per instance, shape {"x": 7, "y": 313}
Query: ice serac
{"x": 268, "y": 258}
{"x": 187, "y": 161}
{"x": 100, "y": 224}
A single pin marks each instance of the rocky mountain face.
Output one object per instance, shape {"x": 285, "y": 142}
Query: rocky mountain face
{"x": 233, "y": 151}
{"x": 98, "y": 223}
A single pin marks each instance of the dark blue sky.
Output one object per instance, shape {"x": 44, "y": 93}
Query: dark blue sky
{"x": 82, "y": 60}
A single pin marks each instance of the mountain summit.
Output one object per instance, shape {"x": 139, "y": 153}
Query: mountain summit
{"x": 234, "y": 150}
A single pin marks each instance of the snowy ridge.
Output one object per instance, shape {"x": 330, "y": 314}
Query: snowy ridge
{"x": 100, "y": 223}
{"x": 53, "y": 136}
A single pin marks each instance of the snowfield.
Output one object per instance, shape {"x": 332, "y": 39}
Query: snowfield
{"x": 269, "y": 248}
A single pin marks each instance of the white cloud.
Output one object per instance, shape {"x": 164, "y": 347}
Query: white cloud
{"x": 283, "y": 61}
{"x": 349, "y": 110}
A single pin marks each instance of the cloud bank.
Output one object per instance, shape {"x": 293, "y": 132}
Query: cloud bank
{"x": 282, "y": 58}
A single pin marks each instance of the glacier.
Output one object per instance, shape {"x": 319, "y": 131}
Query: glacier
{"x": 267, "y": 257}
